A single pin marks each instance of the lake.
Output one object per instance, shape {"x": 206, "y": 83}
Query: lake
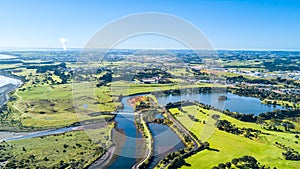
{"x": 234, "y": 103}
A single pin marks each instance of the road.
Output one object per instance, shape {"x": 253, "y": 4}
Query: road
{"x": 179, "y": 125}
{"x": 149, "y": 152}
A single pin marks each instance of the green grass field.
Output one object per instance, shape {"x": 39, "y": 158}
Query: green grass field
{"x": 233, "y": 146}
{"x": 44, "y": 105}
{"x": 52, "y": 106}
{"x": 126, "y": 88}
{"x": 281, "y": 103}
{"x": 180, "y": 72}
{"x": 73, "y": 148}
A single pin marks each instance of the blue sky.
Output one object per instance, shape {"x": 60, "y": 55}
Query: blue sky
{"x": 229, "y": 24}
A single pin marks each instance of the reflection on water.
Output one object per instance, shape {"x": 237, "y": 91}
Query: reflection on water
{"x": 234, "y": 103}
{"x": 165, "y": 142}
{"x": 127, "y": 156}
{"x": 131, "y": 147}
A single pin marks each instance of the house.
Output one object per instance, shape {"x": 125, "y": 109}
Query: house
{"x": 148, "y": 81}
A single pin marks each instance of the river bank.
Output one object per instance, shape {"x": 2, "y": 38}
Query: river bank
{"x": 7, "y": 85}
{"x": 132, "y": 153}
{"x": 125, "y": 122}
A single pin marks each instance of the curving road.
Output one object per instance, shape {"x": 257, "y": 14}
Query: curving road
{"x": 149, "y": 152}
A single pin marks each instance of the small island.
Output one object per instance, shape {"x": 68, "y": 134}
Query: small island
{"x": 222, "y": 97}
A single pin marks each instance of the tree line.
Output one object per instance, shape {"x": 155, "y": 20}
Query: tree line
{"x": 242, "y": 162}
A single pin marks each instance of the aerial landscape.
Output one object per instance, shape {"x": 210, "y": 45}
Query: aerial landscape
{"x": 151, "y": 106}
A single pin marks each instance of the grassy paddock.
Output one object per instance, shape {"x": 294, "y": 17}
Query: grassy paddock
{"x": 73, "y": 148}
{"x": 233, "y": 146}
{"x": 126, "y": 88}
{"x": 52, "y": 106}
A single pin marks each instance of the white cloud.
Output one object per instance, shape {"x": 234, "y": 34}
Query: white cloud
{"x": 64, "y": 42}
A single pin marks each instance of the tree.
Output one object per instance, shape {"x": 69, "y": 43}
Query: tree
{"x": 222, "y": 166}
{"x": 260, "y": 121}
{"x": 288, "y": 125}
{"x": 206, "y": 145}
{"x": 235, "y": 161}
{"x": 228, "y": 164}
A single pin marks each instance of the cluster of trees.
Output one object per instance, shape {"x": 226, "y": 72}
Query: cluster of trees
{"x": 247, "y": 80}
{"x": 64, "y": 76}
{"x": 4, "y": 148}
{"x": 179, "y": 104}
{"x": 290, "y": 153}
{"x": 265, "y": 94}
{"x": 24, "y": 163}
{"x": 192, "y": 90}
{"x": 280, "y": 114}
{"x": 274, "y": 123}
{"x": 240, "y": 116}
{"x": 58, "y": 70}
{"x": 145, "y": 103}
{"x": 279, "y": 64}
{"x": 140, "y": 126}
{"x": 192, "y": 58}
{"x": 10, "y": 62}
{"x": 176, "y": 159}
{"x": 225, "y": 125}
{"x": 92, "y": 74}
{"x": 288, "y": 81}
{"x": 160, "y": 121}
{"x": 107, "y": 77}
{"x": 149, "y": 73}
{"x": 193, "y": 118}
{"x": 242, "y": 162}
{"x": 45, "y": 68}
{"x": 7, "y": 122}
{"x": 142, "y": 105}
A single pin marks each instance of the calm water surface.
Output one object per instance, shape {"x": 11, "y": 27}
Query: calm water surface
{"x": 234, "y": 103}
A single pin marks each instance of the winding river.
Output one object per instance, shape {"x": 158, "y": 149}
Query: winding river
{"x": 132, "y": 148}
{"x": 129, "y": 145}
{"x": 163, "y": 146}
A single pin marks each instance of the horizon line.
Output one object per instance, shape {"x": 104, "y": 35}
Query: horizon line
{"x": 216, "y": 49}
